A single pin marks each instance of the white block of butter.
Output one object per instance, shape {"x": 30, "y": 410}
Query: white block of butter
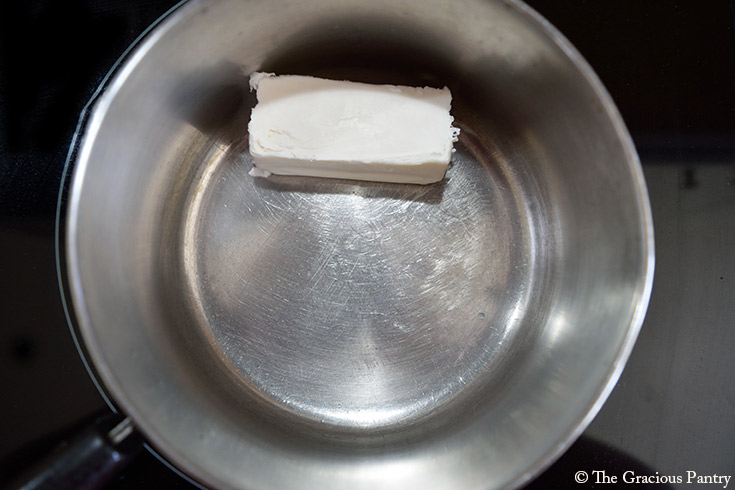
{"x": 327, "y": 128}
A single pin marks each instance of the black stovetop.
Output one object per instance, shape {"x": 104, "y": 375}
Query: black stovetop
{"x": 669, "y": 66}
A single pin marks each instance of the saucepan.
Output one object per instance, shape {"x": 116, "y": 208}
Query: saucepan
{"x": 321, "y": 333}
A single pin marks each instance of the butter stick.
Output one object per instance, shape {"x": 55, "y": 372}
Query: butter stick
{"x": 327, "y": 128}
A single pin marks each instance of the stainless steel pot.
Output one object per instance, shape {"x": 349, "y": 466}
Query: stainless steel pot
{"x": 313, "y": 333}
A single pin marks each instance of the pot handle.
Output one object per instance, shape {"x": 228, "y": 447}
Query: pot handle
{"x": 88, "y": 461}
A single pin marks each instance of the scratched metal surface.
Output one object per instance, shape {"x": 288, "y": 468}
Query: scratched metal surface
{"x": 315, "y": 333}
{"x": 361, "y": 304}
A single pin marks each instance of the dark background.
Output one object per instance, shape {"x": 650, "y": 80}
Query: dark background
{"x": 670, "y": 68}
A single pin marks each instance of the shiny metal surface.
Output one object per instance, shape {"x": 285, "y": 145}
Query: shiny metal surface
{"x": 309, "y": 333}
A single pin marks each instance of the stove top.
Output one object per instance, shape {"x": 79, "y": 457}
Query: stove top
{"x": 669, "y": 66}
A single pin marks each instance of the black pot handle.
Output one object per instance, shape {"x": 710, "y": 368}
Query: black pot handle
{"x": 89, "y": 460}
